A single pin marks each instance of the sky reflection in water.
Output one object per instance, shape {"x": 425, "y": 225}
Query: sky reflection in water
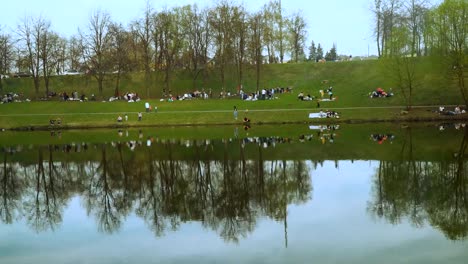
{"x": 333, "y": 227}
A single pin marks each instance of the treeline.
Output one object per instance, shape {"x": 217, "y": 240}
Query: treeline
{"x": 226, "y": 38}
{"x": 220, "y": 38}
{"x": 406, "y": 30}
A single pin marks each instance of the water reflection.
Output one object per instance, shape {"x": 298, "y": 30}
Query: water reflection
{"x": 229, "y": 184}
{"x": 227, "y": 195}
{"x": 425, "y": 192}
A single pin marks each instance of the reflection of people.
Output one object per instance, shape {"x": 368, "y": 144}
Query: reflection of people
{"x": 246, "y": 123}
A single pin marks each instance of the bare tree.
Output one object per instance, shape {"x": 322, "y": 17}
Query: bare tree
{"x": 197, "y": 40}
{"x": 31, "y": 33}
{"x": 170, "y": 41}
{"x": 6, "y": 55}
{"x": 143, "y": 29}
{"x": 119, "y": 52}
{"x": 97, "y": 43}
{"x": 220, "y": 22}
{"x": 240, "y": 27}
{"x": 51, "y": 50}
{"x": 256, "y": 44}
{"x": 415, "y": 12}
{"x": 377, "y": 9}
{"x": 75, "y": 54}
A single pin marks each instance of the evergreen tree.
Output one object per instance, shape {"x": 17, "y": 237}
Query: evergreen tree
{"x": 319, "y": 52}
{"x": 312, "y": 52}
{"x": 331, "y": 55}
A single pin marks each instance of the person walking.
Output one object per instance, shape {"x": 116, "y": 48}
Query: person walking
{"x": 235, "y": 112}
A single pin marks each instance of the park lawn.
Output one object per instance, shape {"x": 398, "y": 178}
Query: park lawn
{"x": 286, "y": 109}
{"x": 352, "y": 82}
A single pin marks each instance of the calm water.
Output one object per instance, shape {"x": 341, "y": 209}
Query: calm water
{"x": 341, "y": 194}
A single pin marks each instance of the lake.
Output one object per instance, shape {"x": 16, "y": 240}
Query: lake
{"x": 367, "y": 193}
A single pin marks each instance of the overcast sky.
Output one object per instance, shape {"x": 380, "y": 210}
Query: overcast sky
{"x": 348, "y": 23}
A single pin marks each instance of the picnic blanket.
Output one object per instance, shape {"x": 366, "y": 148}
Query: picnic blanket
{"x": 327, "y": 100}
{"x": 315, "y": 115}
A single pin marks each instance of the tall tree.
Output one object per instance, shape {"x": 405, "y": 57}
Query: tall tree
{"x": 312, "y": 52}
{"x": 298, "y": 33}
{"x": 378, "y": 24}
{"x": 270, "y": 29}
{"x": 319, "y": 52}
{"x": 220, "y": 22}
{"x": 416, "y": 12}
{"x": 281, "y": 29}
{"x": 119, "y": 53}
{"x": 256, "y": 45}
{"x": 403, "y": 64}
{"x": 240, "y": 41}
{"x": 6, "y": 55}
{"x": 97, "y": 42}
{"x": 197, "y": 36}
{"x": 452, "y": 30}
{"x": 331, "y": 55}
{"x": 75, "y": 54}
{"x": 31, "y": 33}
{"x": 143, "y": 28}
{"x": 51, "y": 50}
{"x": 170, "y": 41}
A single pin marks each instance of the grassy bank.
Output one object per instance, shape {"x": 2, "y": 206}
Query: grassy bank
{"x": 351, "y": 81}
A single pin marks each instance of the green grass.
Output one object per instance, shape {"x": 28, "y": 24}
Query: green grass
{"x": 351, "y": 81}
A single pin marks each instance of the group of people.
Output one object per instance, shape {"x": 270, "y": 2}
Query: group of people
{"x": 379, "y": 92}
{"x": 129, "y": 97}
{"x": 9, "y": 98}
{"x": 120, "y": 119}
{"x": 149, "y": 108}
{"x": 456, "y": 111}
{"x": 73, "y": 97}
{"x": 328, "y": 91}
{"x": 307, "y": 97}
{"x": 380, "y": 138}
{"x": 263, "y": 94}
{"x": 328, "y": 114}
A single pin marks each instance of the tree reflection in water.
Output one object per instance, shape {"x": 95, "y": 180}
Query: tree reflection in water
{"x": 162, "y": 187}
{"x": 433, "y": 192}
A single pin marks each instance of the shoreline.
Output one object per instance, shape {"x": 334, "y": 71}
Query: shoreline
{"x": 318, "y": 121}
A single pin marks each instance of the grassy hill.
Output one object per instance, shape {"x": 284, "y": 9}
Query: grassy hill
{"x": 352, "y": 82}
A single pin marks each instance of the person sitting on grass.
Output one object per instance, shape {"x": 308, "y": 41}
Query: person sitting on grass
{"x": 301, "y": 96}
{"x": 119, "y": 119}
